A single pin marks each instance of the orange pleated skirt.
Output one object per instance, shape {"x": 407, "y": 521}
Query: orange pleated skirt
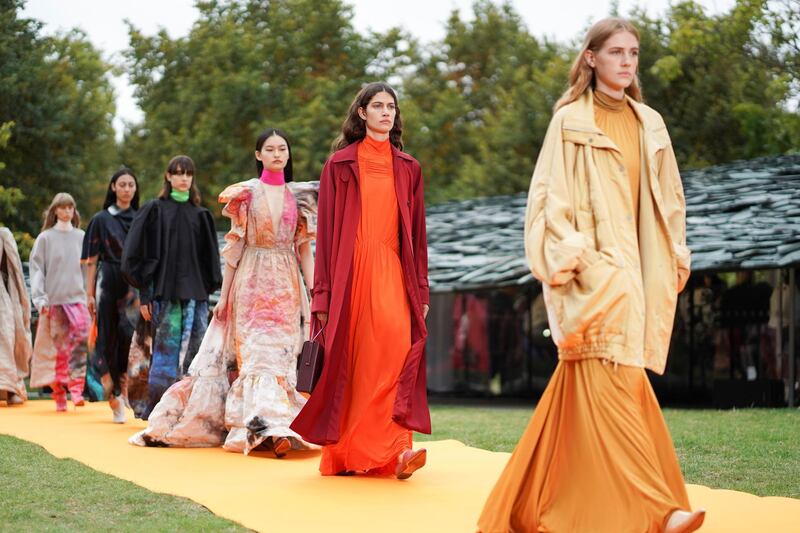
{"x": 379, "y": 342}
{"x": 596, "y": 457}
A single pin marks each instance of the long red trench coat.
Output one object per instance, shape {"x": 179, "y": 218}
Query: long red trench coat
{"x": 339, "y": 215}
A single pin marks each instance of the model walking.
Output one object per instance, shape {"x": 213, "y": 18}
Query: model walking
{"x": 371, "y": 291}
{"x": 171, "y": 256}
{"x": 113, "y": 303}
{"x": 605, "y": 234}
{"x": 58, "y": 291}
{"x": 259, "y": 320}
{"x": 15, "y": 323}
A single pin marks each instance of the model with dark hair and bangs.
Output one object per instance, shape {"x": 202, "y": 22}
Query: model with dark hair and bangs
{"x": 241, "y": 389}
{"x": 371, "y": 292}
{"x": 112, "y": 302}
{"x": 171, "y": 255}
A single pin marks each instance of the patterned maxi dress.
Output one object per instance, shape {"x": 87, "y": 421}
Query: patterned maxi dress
{"x": 259, "y": 341}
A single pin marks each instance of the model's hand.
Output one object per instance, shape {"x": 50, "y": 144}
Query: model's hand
{"x": 322, "y": 317}
{"x": 221, "y": 309}
{"x": 425, "y": 309}
{"x": 90, "y": 304}
{"x": 43, "y": 310}
{"x": 147, "y": 311}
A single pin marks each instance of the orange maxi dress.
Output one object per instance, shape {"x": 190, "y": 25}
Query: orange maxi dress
{"x": 380, "y": 328}
{"x": 597, "y": 456}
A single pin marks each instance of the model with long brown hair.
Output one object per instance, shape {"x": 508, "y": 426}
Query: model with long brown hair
{"x": 605, "y": 234}
{"x": 58, "y": 290}
{"x": 371, "y": 292}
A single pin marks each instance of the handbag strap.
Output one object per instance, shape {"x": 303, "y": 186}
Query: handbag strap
{"x": 316, "y": 321}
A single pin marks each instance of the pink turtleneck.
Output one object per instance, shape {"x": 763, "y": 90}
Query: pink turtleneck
{"x": 270, "y": 177}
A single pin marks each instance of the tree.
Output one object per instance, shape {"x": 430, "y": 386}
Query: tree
{"x": 56, "y": 92}
{"x": 481, "y": 103}
{"x": 717, "y": 83}
{"x": 210, "y": 94}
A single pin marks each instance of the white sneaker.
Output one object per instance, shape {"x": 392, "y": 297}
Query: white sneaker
{"x": 118, "y": 408}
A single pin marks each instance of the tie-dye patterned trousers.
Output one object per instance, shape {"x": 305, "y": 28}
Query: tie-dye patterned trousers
{"x": 178, "y": 328}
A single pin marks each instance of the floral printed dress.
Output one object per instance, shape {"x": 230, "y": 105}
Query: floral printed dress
{"x": 259, "y": 342}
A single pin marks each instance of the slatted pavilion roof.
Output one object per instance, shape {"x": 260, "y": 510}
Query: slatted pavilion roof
{"x": 740, "y": 216}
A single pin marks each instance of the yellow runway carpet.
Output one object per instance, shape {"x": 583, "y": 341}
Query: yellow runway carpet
{"x": 286, "y": 495}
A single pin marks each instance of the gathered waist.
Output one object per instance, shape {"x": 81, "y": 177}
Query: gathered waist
{"x": 392, "y": 243}
{"x": 270, "y": 249}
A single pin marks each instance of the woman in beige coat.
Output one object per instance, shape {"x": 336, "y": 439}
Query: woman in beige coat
{"x": 605, "y": 234}
{"x": 15, "y": 323}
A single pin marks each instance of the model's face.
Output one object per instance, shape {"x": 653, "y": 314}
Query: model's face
{"x": 379, "y": 113}
{"x": 616, "y": 62}
{"x": 124, "y": 188}
{"x": 274, "y": 154}
{"x": 64, "y": 213}
{"x": 181, "y": 180}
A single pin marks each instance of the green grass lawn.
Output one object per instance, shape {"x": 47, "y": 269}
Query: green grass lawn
{"x": 756, "y": 451}
{"x": 751, "y": 450}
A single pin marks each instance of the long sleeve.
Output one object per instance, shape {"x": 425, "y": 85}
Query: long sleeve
{"x": 327, "y": 201}
{"x": 554, "y": 248}
{"x": 92, "y": 239}
{"x": 420, "y": 236}
{"x": 675, "y": 211}
{"x": 38, "y": 272}
{"x": 142, "y": 251}
{"x": 212, "y": 273}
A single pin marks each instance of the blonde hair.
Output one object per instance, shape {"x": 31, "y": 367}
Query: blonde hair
{"x": 581, "y": 75}
{"x": 60, "y": 200}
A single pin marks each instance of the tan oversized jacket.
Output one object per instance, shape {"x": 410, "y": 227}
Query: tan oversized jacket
{"x": 610, "y": 290}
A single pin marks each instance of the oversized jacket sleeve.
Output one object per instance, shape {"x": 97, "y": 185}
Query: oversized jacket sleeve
{"x": 142, "y": 250}
{"x": 420, "y": 236}
{"x": 554, "y": 248}
{"x": 675, "y": 211}
{"x": 212, "y": 273}
{"x": 321, "y": 293}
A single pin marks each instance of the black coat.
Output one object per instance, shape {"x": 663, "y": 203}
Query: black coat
{"x": 171, "y": 252}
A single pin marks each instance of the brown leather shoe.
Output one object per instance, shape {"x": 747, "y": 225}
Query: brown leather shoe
{"x": 281, "y": 446}
{"x": 685, "y": 521}
{"x": 409, "y": 462}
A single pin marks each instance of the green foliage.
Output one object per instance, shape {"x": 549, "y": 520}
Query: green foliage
{"x": 56, "y": 91}
{"x": 246, "y": 66}
{"x": 717, "y": 82}
{"x": 480, "y": 104}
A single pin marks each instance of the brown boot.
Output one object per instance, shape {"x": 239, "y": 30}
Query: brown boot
{"x": 281, "y": 446}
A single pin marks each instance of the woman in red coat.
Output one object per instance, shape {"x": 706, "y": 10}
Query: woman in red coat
{"x": 371, "y": 294}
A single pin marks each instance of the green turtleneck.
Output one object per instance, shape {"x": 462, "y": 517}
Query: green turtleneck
{"x": 179, "y": 196}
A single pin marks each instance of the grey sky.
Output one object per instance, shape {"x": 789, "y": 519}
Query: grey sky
{"x": 103, "y": 22}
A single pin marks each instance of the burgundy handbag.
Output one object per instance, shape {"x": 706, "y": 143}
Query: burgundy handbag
{"x": 309, "y": 365}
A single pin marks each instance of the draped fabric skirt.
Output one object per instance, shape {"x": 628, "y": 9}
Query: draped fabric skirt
{"x": 596, "y": 457}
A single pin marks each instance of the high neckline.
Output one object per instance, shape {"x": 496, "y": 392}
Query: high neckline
{"x": 271, "y": 177}
{"x": 179, "y": 196}
{"x": 609, "y": 103}
{"x": 60, "y": 225}
{"x": 378, "y": 146}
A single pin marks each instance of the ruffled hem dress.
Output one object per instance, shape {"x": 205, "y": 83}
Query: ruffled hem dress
{"x": 255, "y": 349}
